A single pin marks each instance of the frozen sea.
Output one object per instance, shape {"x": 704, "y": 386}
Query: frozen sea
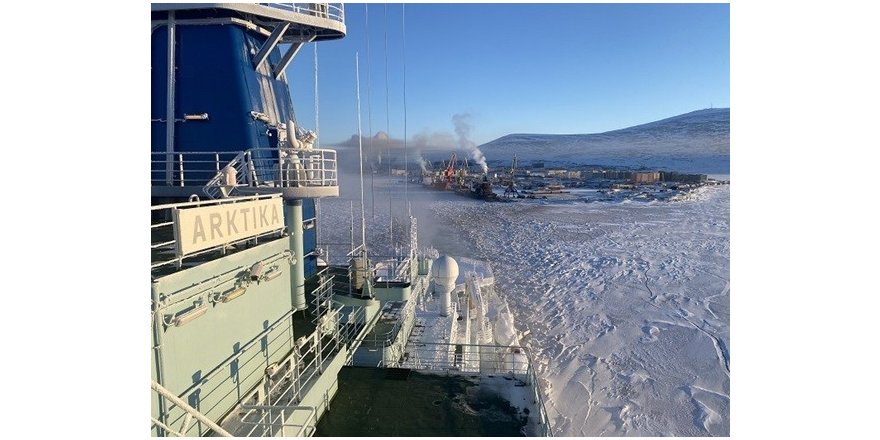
{"x": 625, "y": 306}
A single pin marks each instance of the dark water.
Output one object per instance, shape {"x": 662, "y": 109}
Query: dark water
{"x": 376, "y": 402}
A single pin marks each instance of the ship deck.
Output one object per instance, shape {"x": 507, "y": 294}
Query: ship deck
{"x": 383, "y": 333}
{"x": 399, "y": 402}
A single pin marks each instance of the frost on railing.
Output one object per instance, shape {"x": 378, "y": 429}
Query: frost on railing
{"x": 332, "y": 11}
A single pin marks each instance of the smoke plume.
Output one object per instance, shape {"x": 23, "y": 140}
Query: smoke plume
{"x": 463, "y": 130}
{"x": 426, "y": 140}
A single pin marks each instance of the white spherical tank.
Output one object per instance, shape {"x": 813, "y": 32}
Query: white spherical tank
{"x": 444, "y": 271}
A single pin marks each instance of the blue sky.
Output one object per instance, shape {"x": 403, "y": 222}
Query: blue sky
{"x": 518, "y": 68}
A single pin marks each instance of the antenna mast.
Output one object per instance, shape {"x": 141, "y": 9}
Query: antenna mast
{"x": 360, "y": 153}
{"x": 405, "y": 152}
{"x": 370, "y": 154}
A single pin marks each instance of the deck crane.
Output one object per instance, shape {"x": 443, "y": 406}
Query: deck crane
{"x": 449, "y": 172}
{"x": 510, "y": 190}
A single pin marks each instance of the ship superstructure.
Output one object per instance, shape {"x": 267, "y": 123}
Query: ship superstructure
{"x": 250, "y": 326}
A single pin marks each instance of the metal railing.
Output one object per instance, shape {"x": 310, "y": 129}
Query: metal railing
{"x": 333, "y": 11}
{"x": 297, "y": 373}
{"x": 275, "y": 168}
{"x": 322, "y": 302}
{"x": 386, "y": 339}
{"x": 398, "y": 269}
{"x": 220, "y": 173}
{"x": 191, "y": 413}
{"x": 187, "y": 168}
{"x": 295, "y": 376}
{"x": 163, "y": 243}
{"x": 265, "y": 409}
{"x": 209, "y": 393}
{"x": 353, "y": 331}
{"x": 272, "y": 421}
{"x": 467, "y": 358}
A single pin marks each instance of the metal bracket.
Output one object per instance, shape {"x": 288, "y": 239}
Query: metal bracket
{"x": 288, "y": 56}
{"x": 270, "y": 44}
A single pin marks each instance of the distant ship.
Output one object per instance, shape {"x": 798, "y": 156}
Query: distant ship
{"x": 255, "y": 329}
{"x": 476, "y": 186}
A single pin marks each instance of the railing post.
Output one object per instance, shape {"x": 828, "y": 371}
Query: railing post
{"x": 282, "y": 179}
{"x": 188, "y": 409}
{"x": 323, "y": 170}
{"x": 298, "y": 381}
{"x": 251, "y": 169}
{"x": 283, "y": 425}
{"x": 319, "y": 353}
{"x": 180, "y": 167}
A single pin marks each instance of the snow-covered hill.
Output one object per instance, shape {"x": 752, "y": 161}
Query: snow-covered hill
{"x": 697, "y": 141}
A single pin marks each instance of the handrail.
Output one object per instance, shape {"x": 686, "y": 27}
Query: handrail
{"x": 186, "y": 167}
{"x": 190, "y": 411}
{"x": 198, "y": 203}
{"x": 300, "y": 368}
{"x": 220, "y": 173}
{"x": 388, "y": 338}
{"x": 313, "y": 413}
{"x": 323, "y": 294}
{"x": 333, "y": 11}
{"x": 399, "y": 268}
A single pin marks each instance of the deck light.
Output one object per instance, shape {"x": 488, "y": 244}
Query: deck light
{"x": 189, "y": 316}
{"x": 234, "y": 294}
{"x": 272, "y": 275}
